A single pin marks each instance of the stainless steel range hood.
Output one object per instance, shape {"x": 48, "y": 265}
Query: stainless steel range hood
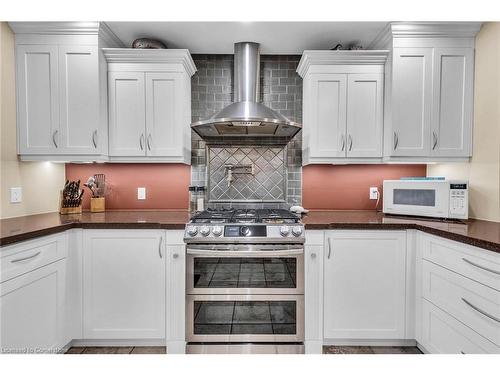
{"x": 246, "y": 117}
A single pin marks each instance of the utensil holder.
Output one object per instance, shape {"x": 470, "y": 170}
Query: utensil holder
{"x": 97, "y": 204}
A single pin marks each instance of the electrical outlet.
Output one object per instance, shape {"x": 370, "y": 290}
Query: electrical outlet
{"x": 16, "y": 194}
{"x": 373, "y": 192}
{"x": 141, "y": 193}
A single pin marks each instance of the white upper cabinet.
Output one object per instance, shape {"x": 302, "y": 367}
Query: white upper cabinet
{"x": 150, "y": 105}
{"x": 411, "y": 101}
{"x": 343, "y": 106}
{"x": 79, "y": 100}
{"x": 453, "y": 102}
{"x": 37, "y": 99}
{"x": 429, "y": 90}
{"x": 127, "y": 114}
{"x": 61, "y": 101}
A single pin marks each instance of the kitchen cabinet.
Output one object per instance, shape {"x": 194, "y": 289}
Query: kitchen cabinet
{"x": 458, "y": 297}
{"x": 428, "y": 90}
{"x": 124, "y": 284}
{"x": 343, "y": 106}
{"x": 150, "y": 105}
{"x": 61, "y": 90}
{"x": 32, "y": 296}
{"x": 364, "y": 285}
{"x": 176, "y": 292}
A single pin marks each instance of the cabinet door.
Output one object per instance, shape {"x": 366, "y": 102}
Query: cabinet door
{"x": 364, "y": 290}
{"x": 79, "y": 99}
{"x": 32, "y": 309}
{"x": 364, "y": 115}
{"x": 411, "y": 101}
{"x": 124, "y": 284}
{"x": 127, "y": 114}
{"x": 164, "y": 109}
{"x": 327, "y": 116}
{"x": 37, "y": 99}
{"x": 453, "y": 102}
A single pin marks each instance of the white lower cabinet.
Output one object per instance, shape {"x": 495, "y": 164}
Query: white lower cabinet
{"x": 458, "y": 297}
{"x": 364, "y": 285}
{"x": 124, "y": 284}
{"x": 32, "y": 308}
{"x": 443, "y": 334}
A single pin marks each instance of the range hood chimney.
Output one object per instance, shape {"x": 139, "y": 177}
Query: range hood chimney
{"x": 246, "y": 117}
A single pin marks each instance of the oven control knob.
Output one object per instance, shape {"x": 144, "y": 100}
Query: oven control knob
{"x": 192, "y": 230}
{"x": 297, "y": 231}
{"x": 245, "y": 231}
{"x": 284, "y": 230}
{"x": 217, "y": 231}
{"x": 205, "y": 231}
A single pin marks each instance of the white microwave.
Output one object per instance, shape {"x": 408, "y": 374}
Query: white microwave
{"x": 433, "y": 198}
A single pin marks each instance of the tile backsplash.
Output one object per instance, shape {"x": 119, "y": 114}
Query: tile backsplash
{"x": 281, "y": 89}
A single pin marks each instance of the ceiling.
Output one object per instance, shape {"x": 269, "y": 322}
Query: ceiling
{"x": 274, "y": 37}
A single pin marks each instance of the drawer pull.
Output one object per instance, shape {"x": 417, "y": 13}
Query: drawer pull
{"x": 479, "y": 266}
{"x": 481, "y": 311}
{"x": 26, "y": 258}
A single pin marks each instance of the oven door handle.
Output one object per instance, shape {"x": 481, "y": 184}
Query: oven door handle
{"x": 243, "y": 253}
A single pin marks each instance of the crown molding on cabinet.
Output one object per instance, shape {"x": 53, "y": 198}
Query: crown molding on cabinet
{"x": 151, "y": 56}
{"x": 425, "y": 30}
{"x": 67, "y": 28}
{"x": 350, "y": 57}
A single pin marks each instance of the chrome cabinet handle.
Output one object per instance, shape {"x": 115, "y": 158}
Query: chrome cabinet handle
{"x": 94, "y": 138}
{"x": 141, "y": 141}
{"x": 435, "y": 140}
{"x": 54, "y": 138}
{"x": 175, "y": 255}
{"x": 313, "y": 255}
{"x": 25, "y": 258}
{"x": 481, "y": 311}
{"x": 159, "y": 248}
{"x": 149, "y": 142}
{"x": 343, "y": 143}
{"x": 396, "y": 140}
{"x": 329, "y": 247}
{"x": 350, "y": 142}
{"x": 482, "y": 267}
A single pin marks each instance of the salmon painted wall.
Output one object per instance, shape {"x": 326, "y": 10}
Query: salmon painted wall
{"x": 346, "y": 187}
{"x": 166, "y": 184}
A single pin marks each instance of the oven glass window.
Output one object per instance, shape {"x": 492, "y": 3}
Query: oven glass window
{"x": 414, "y": 197}
{"x": 245, "y": 317}
{"x": 245, "y": 272}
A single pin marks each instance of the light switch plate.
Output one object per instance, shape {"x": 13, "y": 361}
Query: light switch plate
{"x": 373, "y": 192}
{"x": 141, "y": 193}
{"x": 16, "y": 194}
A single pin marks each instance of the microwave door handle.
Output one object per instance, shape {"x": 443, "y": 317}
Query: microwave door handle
{"x": 243, "y": 253}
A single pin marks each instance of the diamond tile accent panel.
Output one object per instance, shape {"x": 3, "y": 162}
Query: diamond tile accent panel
{"x": 268, "y": 183}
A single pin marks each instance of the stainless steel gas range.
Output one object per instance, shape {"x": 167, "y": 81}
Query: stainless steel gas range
{"x": 245, "y": 282}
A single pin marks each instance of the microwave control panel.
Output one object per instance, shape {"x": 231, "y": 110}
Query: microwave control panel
{"x": 459, "y": 201}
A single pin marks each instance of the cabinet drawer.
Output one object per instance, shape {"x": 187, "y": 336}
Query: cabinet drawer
{"x": 443, "y": 334}
{"x": 476, "y": 264}
{"x": 27, "y": 256}
{"x": 475, "y": 305}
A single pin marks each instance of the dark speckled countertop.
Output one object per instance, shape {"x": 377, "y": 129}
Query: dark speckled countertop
{"x": 480, "y": 233}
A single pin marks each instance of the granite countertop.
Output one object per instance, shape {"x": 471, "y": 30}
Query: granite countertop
{"x": 480, "y": 233}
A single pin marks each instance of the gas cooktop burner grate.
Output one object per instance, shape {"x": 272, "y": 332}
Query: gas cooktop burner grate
{"x": 245, "y": 216}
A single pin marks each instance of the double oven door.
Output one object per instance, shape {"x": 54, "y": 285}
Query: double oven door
{"x": 245, "y": 293}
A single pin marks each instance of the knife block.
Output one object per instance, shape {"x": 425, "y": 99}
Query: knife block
{"x": 97, "y": 204}
{"x": 68, "y": 210}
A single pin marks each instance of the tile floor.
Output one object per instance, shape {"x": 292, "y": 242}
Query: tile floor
{"x": 162, "y": 350}
{"x": 116, "y": 350}
{"x": 371, "y": 350}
